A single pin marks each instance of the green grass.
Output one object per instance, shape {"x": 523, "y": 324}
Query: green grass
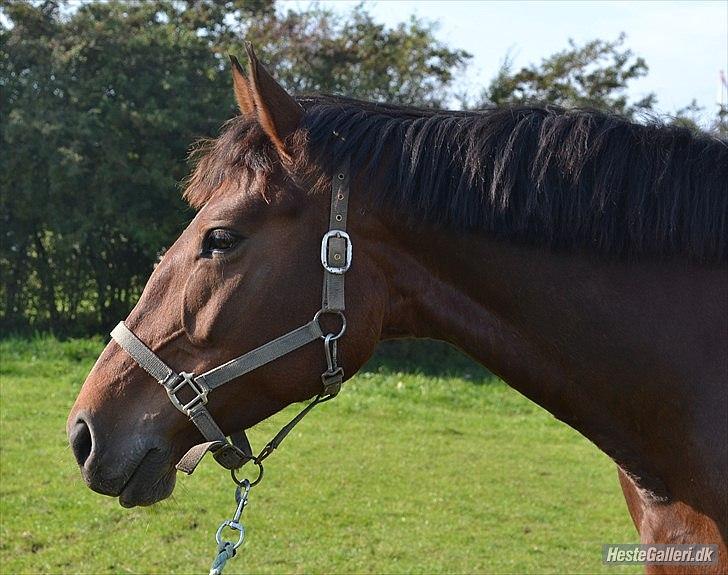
{"x": 404, "y": 472}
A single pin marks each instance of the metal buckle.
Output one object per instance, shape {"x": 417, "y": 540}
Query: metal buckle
{"x": 325, "y": 251}
{"x": 199, "y": 389}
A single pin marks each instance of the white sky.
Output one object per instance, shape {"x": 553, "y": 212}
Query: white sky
{"x": 684, "y": 43}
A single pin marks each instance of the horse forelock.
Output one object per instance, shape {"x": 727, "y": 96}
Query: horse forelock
{"x": 223, "y": 163}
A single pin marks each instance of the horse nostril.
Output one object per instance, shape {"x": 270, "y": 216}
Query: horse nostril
{"x": 81, "y": 441}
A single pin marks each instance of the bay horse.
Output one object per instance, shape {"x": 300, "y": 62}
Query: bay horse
{"x": 580, "y": 257}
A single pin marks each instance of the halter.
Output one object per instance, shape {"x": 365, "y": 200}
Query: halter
{"x": 336, "y": 256}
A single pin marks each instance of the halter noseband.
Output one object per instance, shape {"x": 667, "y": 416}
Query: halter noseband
{"x": 336, "y": 256}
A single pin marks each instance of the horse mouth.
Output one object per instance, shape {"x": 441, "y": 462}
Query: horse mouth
{"x": 152, "y": 481}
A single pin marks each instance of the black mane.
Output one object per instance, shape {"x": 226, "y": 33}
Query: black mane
{"x": 567, "y": 179}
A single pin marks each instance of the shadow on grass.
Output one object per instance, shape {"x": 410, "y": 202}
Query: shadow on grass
{"x": 428, "y": 357}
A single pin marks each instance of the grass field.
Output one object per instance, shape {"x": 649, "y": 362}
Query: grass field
{"x": 437, "y": 470}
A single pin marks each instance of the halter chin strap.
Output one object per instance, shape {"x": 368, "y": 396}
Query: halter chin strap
{"x": 336, "y": 255}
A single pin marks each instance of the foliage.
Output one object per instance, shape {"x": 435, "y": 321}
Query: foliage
{"x": 721, "y": 122}
{"x": 402, "y": 473}
{"x": 101, "y": 110}
{"x": 358, "y": 57}
{"x": 102, "y": 104}
{"x": 595, "y": 75}
{"x": 100, "y": 101}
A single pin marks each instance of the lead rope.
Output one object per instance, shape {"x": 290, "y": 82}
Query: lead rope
{"x": 332, "y": 379}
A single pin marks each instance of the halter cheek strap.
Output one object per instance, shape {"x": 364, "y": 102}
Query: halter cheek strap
{"x": 336, "y": 257}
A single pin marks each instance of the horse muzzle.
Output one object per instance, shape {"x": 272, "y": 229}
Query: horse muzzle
{"x": 133, "y": 467}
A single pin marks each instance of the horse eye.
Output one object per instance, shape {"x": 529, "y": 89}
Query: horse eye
{"x": 220, "y": 240}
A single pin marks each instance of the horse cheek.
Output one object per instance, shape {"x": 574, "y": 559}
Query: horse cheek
{"x": 203, "y": 300}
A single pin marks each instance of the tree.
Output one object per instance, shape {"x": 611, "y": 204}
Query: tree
{"x": 100, "y": 104}
{"x": 595, "y": 75}
{"x": 316, "y": 50}
{"x": 358, "y": 57}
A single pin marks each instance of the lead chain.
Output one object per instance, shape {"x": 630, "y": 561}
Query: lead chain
{"x": 226, "y": 549}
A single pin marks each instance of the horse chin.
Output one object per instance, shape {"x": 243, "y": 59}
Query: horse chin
{"x": 152, "y": 481}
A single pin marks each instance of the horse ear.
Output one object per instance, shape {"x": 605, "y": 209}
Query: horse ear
{"x": 241, "y": 87}
{"x": 278, "y": 113}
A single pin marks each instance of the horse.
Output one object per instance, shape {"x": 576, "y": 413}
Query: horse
{"x": 577, "y": 255}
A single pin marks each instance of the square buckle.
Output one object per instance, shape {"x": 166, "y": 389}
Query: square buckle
{"x": 338, "y": 266}
{"x": 230, "y": 457}
{"x": 200, "y": 391}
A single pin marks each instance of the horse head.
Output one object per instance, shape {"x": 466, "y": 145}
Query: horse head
{"x": 245, "y": 270}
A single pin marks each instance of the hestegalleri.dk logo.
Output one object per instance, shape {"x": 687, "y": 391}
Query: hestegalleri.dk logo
{"x": 659, "y": 554}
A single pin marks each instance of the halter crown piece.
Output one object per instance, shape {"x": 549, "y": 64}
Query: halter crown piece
{"x": 336, "y": 257}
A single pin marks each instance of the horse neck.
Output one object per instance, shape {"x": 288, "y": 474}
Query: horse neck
{"x": 510, "y": 308}
{"x": 593, "y": 342}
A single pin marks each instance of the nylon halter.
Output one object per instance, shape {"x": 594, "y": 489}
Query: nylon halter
{"x": 336, "y": 256}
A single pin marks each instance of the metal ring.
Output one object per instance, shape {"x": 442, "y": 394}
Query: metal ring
{"x": 235, "y": 527}
{"x": 341, "y": 316}
{"x": 241, "y": 482}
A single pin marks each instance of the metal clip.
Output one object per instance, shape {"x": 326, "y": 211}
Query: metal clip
{"x": 241, "y": 496}
{"x": 333, "y": 377}
{"x": 330, "y": 349}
